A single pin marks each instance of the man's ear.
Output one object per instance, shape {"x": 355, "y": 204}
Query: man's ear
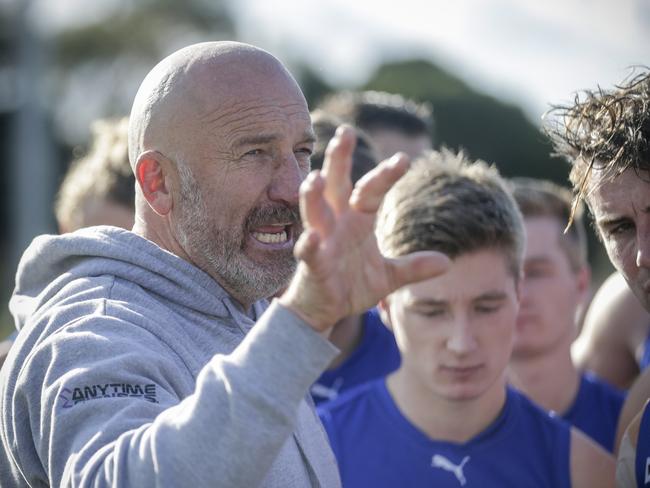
{"x": 384, "y": 312}
{"x": 152, "y": 174}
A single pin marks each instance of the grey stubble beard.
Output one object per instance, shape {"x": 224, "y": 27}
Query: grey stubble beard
{"x": 220, "y": 252}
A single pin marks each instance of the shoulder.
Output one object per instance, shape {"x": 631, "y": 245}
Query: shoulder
{"x": 547, "y": 430}
{"x": 591, "y": 465}
{"x": 351, "y": 400}
{"x": 615, "y": 309}
{"x": 600, "y": 390}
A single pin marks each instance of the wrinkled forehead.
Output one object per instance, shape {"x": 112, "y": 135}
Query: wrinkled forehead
{"x": 226, "y": 98}
{"x": 256, "y": 111}
{"x": 613, "y": 193}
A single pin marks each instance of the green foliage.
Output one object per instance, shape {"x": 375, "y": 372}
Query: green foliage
{"x": 139, "y": 30}
{"x": 484, "y": 127}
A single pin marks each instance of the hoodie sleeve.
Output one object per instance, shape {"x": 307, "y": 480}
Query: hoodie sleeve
{"x": 100, "y": 403}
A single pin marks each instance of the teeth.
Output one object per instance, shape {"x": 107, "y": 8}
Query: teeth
{"x": 267, "y": 238}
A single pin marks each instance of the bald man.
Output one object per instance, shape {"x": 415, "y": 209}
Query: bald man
{"x": 150, "y": 358}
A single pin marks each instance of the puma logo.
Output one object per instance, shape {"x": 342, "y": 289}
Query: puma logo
{"x": 442, "y": 462}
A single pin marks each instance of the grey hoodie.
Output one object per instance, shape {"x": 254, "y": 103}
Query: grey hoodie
{"x": 135, "y": 368}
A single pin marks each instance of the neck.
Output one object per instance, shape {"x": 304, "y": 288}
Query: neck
{"x": 549, "y": 379}
{"x": 346, "y": 336}
{"x": 441, "y": 418}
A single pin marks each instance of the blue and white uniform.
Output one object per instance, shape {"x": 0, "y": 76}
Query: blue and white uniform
{"x": 377, "y": 446}
{"x": 376, "y": 356}
{"x": 596, "y": 409}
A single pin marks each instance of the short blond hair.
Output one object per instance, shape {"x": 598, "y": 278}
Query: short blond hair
{"x": 451, "y": 204}
{"x": 104, "y": 173}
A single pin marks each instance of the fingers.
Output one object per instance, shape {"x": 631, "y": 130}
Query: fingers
{"x": 314, "y": 210}
{"x": 418, "y": 266}
{"x": 307, "y": 246}
{"x": 373, "y": 186}
{"x": 337, "y": 167}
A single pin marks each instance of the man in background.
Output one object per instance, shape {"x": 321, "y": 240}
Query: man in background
{"x": 393, "y": 123}
{"x": 99, "y": 188}
{"x": 553, "y": 291}
{"x": 368, "y": 348}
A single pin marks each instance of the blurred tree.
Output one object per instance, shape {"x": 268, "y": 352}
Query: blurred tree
{"x": 86, "y": 70}
{"x": 483, "y": 126}
{"x": 96, "y": 68}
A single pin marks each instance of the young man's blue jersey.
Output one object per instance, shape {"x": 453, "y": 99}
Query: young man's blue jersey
{"x": 376, "y": 356}
{"x": 596, "y": 409}
{"x": 376, "y": 446}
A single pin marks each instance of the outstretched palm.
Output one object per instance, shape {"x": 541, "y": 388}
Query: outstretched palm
{"x": 341, "y": 271}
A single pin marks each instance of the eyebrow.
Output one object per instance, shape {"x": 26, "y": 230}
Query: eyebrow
{"x": 492, "y": 295}
{"x": 536, "y": 260}
{"x": 432, "y": 302}
{"x": 308, "y": 137}
{"x": 426, "y": 302}
{"x": 609, "y": 222}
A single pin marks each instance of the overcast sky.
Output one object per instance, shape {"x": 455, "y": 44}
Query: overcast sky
{"x": 525, "y": 51}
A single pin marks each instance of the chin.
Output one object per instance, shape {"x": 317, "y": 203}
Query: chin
{"x": 463, "y": 394}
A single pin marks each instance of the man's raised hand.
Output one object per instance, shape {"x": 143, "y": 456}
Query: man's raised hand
{"x": 341, "y": 270}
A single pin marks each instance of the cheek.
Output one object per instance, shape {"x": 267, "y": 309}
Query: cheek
{"x": 622, "y": 257}
{"x": 502, "y": 332}
{"x": 419, "y": 337}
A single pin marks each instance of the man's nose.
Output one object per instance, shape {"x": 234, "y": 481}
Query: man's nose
{"x": 286, "y": 181}
{"x": 461, "y": 340}
{"x": 643, "y": 247}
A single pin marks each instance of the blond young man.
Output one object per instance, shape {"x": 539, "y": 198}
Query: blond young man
{"x": 99, "y": 188}
{"x": 446, "y": 417}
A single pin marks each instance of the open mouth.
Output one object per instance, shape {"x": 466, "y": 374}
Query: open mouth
{"x": 273, "y": 234}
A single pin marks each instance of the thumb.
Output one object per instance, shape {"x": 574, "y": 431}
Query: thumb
{"x": 417, "y": 266}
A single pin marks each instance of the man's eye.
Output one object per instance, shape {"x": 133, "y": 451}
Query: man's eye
{"x": 534, "y": 273}
{"x": 254, "y": 152}
{"x": 487, "y": 309}
{"x": 621, "y": 228}
{"x": 431, "y": 312}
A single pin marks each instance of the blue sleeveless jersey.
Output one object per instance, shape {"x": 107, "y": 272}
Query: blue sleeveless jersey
{"x": 642, "y": 459}
{"x": 376, "y": 356}
{"x": 596, "y": 409}
{"x": 376, "y": 446}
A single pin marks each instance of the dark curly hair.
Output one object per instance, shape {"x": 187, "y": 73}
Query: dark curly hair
{"x": 607, "y": 130}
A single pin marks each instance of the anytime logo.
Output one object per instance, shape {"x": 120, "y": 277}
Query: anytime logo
{"x": 72, "y": 396}
{"x": 439, "y": 461}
